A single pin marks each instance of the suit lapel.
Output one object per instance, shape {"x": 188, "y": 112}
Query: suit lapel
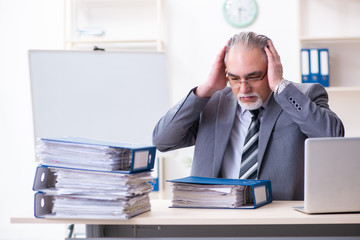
{"x": 270, "y": 116}
{"x": 224, "y": 122}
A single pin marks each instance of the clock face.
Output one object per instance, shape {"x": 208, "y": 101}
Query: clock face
{"x": 240, "y": 13}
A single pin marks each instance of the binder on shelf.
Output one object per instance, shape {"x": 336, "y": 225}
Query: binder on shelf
{"x": 202, "y": 192}
{"x": 324, "y": 67}
{"x": 305, "y": 65}
{"x": 86, "y": 153}
{"x": 79, "y": 193}
{"x": 315, "y": 66}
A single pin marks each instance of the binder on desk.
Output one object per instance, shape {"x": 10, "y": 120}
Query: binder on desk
{"x": 201, "y": 192}
{"x": 66, "y": 206}
{"x": 95, "y": 154}
{"x": 79, "y": 193}
{"x": 88, "y": 178}
{"x": 62, "y": 180}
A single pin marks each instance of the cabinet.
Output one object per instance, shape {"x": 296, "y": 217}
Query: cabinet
{"x": 114, "y": 24}
{"x": 334, "y": 24}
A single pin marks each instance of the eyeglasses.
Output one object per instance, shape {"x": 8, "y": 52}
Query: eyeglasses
{"x": 236, "y": 83}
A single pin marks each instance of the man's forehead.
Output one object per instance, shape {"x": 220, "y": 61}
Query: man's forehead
{"x": 247, "y": 54}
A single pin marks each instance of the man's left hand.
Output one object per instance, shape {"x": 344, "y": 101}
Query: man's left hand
{"x": 275, "y": 70}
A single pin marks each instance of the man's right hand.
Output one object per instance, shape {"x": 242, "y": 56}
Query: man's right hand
{"x": 217, "y": 78}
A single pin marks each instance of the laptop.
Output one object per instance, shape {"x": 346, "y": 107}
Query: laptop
{"x": 332, "y": 175}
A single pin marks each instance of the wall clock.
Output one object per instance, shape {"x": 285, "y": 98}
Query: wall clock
{"x": 240, "y": 13}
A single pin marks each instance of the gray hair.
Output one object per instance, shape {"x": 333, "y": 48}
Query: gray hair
{"x": 249, "y": 40}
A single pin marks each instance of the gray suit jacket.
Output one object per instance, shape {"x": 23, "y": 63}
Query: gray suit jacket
{"x": 300, "y": 111}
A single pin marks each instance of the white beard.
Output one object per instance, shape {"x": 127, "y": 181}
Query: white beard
{"x": 250, "y": 106}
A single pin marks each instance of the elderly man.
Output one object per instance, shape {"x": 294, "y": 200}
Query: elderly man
{"x": 254, "y": 128}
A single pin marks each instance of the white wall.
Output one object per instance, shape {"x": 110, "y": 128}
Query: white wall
{"x": 195, "y": 32}
{"x": 23, "y": 25}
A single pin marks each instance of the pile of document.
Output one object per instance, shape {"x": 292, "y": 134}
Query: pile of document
{"x": 200, "y": 192}
{"x": 86, "y": 178}
{"x": 85, "y": 153}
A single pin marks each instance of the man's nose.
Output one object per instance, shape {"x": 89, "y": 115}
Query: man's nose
{"x": 245, "y": 87}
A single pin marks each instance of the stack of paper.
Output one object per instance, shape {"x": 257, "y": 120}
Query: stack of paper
{"x": 78, "y": 193}
{"x": 64, "y": 190}
{"x": 77, "y": 207}
{"x": 93, "y": 154}
{"x": 196, "y": 195}
{"x": 71, "y": 181}
{"x": 200, "y": 192}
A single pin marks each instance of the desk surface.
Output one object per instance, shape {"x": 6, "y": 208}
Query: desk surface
{"x": 277, "y": 212}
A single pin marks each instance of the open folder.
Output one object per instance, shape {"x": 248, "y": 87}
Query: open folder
{"x": 201, "y": 192}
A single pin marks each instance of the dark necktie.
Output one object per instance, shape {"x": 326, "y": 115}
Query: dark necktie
{"x": 249, "y": 157}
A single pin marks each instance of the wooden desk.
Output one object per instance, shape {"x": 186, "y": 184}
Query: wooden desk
{"x": 277, "y": 219}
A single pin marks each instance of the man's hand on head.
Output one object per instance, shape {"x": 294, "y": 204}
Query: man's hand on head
{"x": 275, "y": 69}
{"x": 217, "y": 78}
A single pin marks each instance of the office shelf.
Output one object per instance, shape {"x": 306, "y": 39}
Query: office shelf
{"x": 333, "y": 24}
{"x": 304, "y": 39}
{"x": 114, "y": 24}
{"x": 343, "y": 89}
